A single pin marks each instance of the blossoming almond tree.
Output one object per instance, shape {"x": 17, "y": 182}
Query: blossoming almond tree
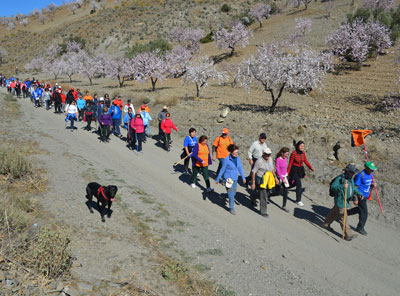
{"x": 275, "y": 68}
{"x": 150, "y": 65}
{"x": 238, "y": 35}
{"x": 199, "y": 72}
{"x": 117, "y": 69}
{"x": 260, "y": 11}
{"x": 177, "y": 60}
{"x": 187, "y": 37}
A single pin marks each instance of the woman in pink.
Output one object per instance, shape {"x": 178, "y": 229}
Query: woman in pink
{"x": 281, "y": 171}
{"x": 137, "y": 128}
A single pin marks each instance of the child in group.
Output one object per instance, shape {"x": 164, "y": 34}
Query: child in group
{"x": 105, "y": 121}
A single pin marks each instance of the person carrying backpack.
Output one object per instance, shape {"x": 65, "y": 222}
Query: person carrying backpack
{"x": 167, "y": 125}
{"x": 116, "y": 115}
{"x": 364, "y": 182}
{"x": 343, "y": 190}
{"x": 202, "y": 158}
{"x": 220, "y": 148}
{"x": 188, "y": 145}
{"x": 137, "y": 128}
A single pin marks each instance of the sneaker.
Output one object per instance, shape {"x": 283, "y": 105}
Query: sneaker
{"x": 285, "y": 209}
{"x": 265, "y": 215}
{"x": 349, "y": 238}
{"x": 232, "y": 211}
{"x": 209, "y": 189}
{"x": 300, "y": 203}
{"x": 193, "y": 185}
{"x": 186, "y": 173}
{"x": 327, "y": 227}
{"x": 362, "y": 231}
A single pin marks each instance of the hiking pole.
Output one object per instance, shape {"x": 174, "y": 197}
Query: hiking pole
{"x": 373, "y": 180}
{"x": 178, "y": 162}
{"x": 345, "y": 210}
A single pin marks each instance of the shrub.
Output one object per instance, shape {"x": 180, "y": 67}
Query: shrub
{"x": 71, "y": 38}
{"x": 362, "y": 14}
{"x": 13, "y": 164}
{"x": 274, "y": 8}
{"x": 159, "y": 44}
{"x": 225, "y": 8}
{"x": 50, "y": 252}
{"x": 208, "y": 38}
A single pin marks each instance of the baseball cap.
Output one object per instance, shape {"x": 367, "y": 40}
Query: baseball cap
{"x": 263, "y": 136}
{"x": 370, "y": 165}
{"x": 267, "y": 151}
{"x": 165, "y": 107}
{"x": 143, "y": 107}
{"x": 225, "y": 131}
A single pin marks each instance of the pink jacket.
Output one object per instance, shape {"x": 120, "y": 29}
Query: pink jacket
{"x": 137, "y": 124}
{"x": 281, "y": 167}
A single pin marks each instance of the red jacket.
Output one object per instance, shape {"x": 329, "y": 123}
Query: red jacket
{"x": 298, "y": 159}
{"x": 167, "y": 125}
{"x": 137, "y": 124}
{"x": 75, "y": 94}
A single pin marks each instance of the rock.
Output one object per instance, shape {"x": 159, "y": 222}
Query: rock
{"x": 331, "y": 158}
{"x": 220, "y": 120}
{"x": 3, "y": 276}
{"x": 224, "y": 112}
{"x": 60, "y": 286}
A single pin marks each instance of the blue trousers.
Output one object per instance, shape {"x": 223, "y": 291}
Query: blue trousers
{"x": 231, "y": 194}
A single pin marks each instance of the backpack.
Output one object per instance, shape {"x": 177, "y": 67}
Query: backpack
{"x": 331, "y": 193}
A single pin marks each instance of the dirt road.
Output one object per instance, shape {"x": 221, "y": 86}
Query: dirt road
{"x": 285, "y": 254}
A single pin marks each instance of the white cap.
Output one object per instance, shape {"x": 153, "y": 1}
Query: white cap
{"x": 101, "y": 99}
{"x": 267, "y": 151}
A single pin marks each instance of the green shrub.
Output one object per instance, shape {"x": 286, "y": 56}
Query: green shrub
{"x": 159, "y": 44}
{"x": 274, "y": 8}
{"x": 13, "y": 164}
{"x": 51, "y": 253}
{"x": 244, "y": 18}
{"x": 208, "y": 38}
{"x": 225, "y": 8}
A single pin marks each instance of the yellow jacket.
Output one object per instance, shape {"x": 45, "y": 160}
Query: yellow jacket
{"x": 268, "y": 179}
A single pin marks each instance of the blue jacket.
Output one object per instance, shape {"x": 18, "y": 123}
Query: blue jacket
{"x": 145, "y": 117}
{"x": 115, "y": 112}
{"x": 36, "y": 94}
{"x": 230, "y": 170}
{"x": 99, "y": 110}
{"x": 80, "y": 103}
{"x": 127, "y": 119}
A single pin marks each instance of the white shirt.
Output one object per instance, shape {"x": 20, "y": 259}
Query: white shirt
{"x": 129, "y": 106}
{"x": 71, "y": 109}
{"x": 256, "y": 149}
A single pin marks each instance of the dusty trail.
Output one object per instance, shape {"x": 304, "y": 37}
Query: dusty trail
{"x": 286, "y": 254}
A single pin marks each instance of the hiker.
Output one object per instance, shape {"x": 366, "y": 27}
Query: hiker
{"x": 107, "y": 100}
{"x": 296, "y": 170}
{"x": 261, "y": 167}
{"x": 281, "y": 172}
{"x": 146, "y": 121}
{"x": 342, "y": 183}
{"x": 95, "y": 100}
{"x": 167, "y": 125}
{"x": 256, "y": 149}
{"x": 127, "y": 124}
{"x": 161, "y": 116}
{"x": 202, "y": 157}
{"x": 105, "y": 121}
{"x": 71, "y": 113}
{"x": 70, "y": 96}
{"x": 230, "y": 170}
{"x": 364, "y": 182}
{"x": 46, "y": 97}
{"x": 220, "y": 148}
{"x": 116, "y": 114}
{"x": 137, "y": 128}
{"x": 188, "y": 145}
{"x": 88, "y": 97}
{"x": 145, "y": 102}
{"x": 57, "y": 101}
{"x": 129, "y": 105}
{"x": 81, "y": 103}
{"x": 89, "y": 114}
{"x": 36, "y": 96}
{"x": 127, "y": 117}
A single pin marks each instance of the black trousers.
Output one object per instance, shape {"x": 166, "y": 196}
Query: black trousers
{"x": 362, "y": 211}
{"x": 187, "y": 160}
{"x": 295, "y": 180}
{"x": 57, "y": 107}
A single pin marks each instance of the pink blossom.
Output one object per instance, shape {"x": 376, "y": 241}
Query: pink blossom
{"x": 237, "y": 35}
{"x": 260, "y": 11}
{"x": 190, "y": 38}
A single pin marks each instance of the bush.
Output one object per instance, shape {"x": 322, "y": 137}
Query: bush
{"x": 71, "y": 38}
{"x": 50, "y": 252}
{"x": 361, "y": 13}
{"x": 274, "y": 8}
{"x": 13, "y": 165}
{"x": 159, "y": 44}
{"x": 208, "y": 38}
{"x": 225, "y": 8}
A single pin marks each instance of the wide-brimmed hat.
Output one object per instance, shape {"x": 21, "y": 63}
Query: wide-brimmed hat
{"x": 228, "y": 183}
{"x": 165, "y": 107}
{"x": 351, "y": 168}
{"x": 370, "y": 165}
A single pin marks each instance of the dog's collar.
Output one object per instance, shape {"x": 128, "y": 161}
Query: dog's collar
{"x": 101, "y": 190}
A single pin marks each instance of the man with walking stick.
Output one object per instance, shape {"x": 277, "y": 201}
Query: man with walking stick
{"x": 343, "y": 190}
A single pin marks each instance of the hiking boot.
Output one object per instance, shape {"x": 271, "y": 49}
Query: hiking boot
{"x": 209, "y": 189}
{"x": 327, "y": 227}
{"x": 193, "y": 185}
{"x": 300, "y": 203}
{"x": 232, "y": 211}
{"x": 186, "y": 173}
{"x": 349, "y": 238}
{"x": 265, "y": 215}
{"x": 361, "y": 231}
{"x": 285, "y": 209}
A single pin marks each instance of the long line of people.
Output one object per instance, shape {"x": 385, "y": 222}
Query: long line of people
{"x": 267, "y": 177}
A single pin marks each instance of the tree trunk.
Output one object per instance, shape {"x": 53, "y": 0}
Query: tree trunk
{"x": 153, "y": 83}
{"x": 121, "y": 81}
{"x": 70, "y": 78}
{"x": 260, "y": 24}
{"x": 197, "y": 90}
{"x": 90, "y": 80}
{"x": 275, "y": 99}
{"x": 232, "y": 50}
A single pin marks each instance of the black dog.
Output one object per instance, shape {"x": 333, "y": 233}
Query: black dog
{"x": 104, "y": 194}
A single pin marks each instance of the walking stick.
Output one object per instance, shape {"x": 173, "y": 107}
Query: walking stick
{"x": 376, "y": 190}
{"x": 178, "y": 162}
{"x": 345, "y": 210}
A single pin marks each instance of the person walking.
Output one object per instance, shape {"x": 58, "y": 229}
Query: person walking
{"x": 261, "y": 167}
{"x": 296, "y": 170}
{"x": 57, "y": 101}
{"x": 161, "y": 116}
{"x": 167, "y": 125}
{"x": 46, "y": 97}
{"x": 146, "y": 121}
{"x": 129, "y": 105}
{"x": 281, "y": 172}
{"x": 220, "y": 148}
{"x": 71, "y": 113}
{"x": 137, "y": 128}
{"x": 81, "y": 103}
{"x": 116, "y": 115}
{"x": 105, "y": 121}
{"x": 364, "y": 182}
{"x": 89, "y": 114}
{"x": 70, "y": 96}
{"x": 188, "y": 145}
{"x": 202, "y": 158}
{"x": 256, "y": 150}
{"x": 230, "y": 170}
{"x": 344, "y": 190}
